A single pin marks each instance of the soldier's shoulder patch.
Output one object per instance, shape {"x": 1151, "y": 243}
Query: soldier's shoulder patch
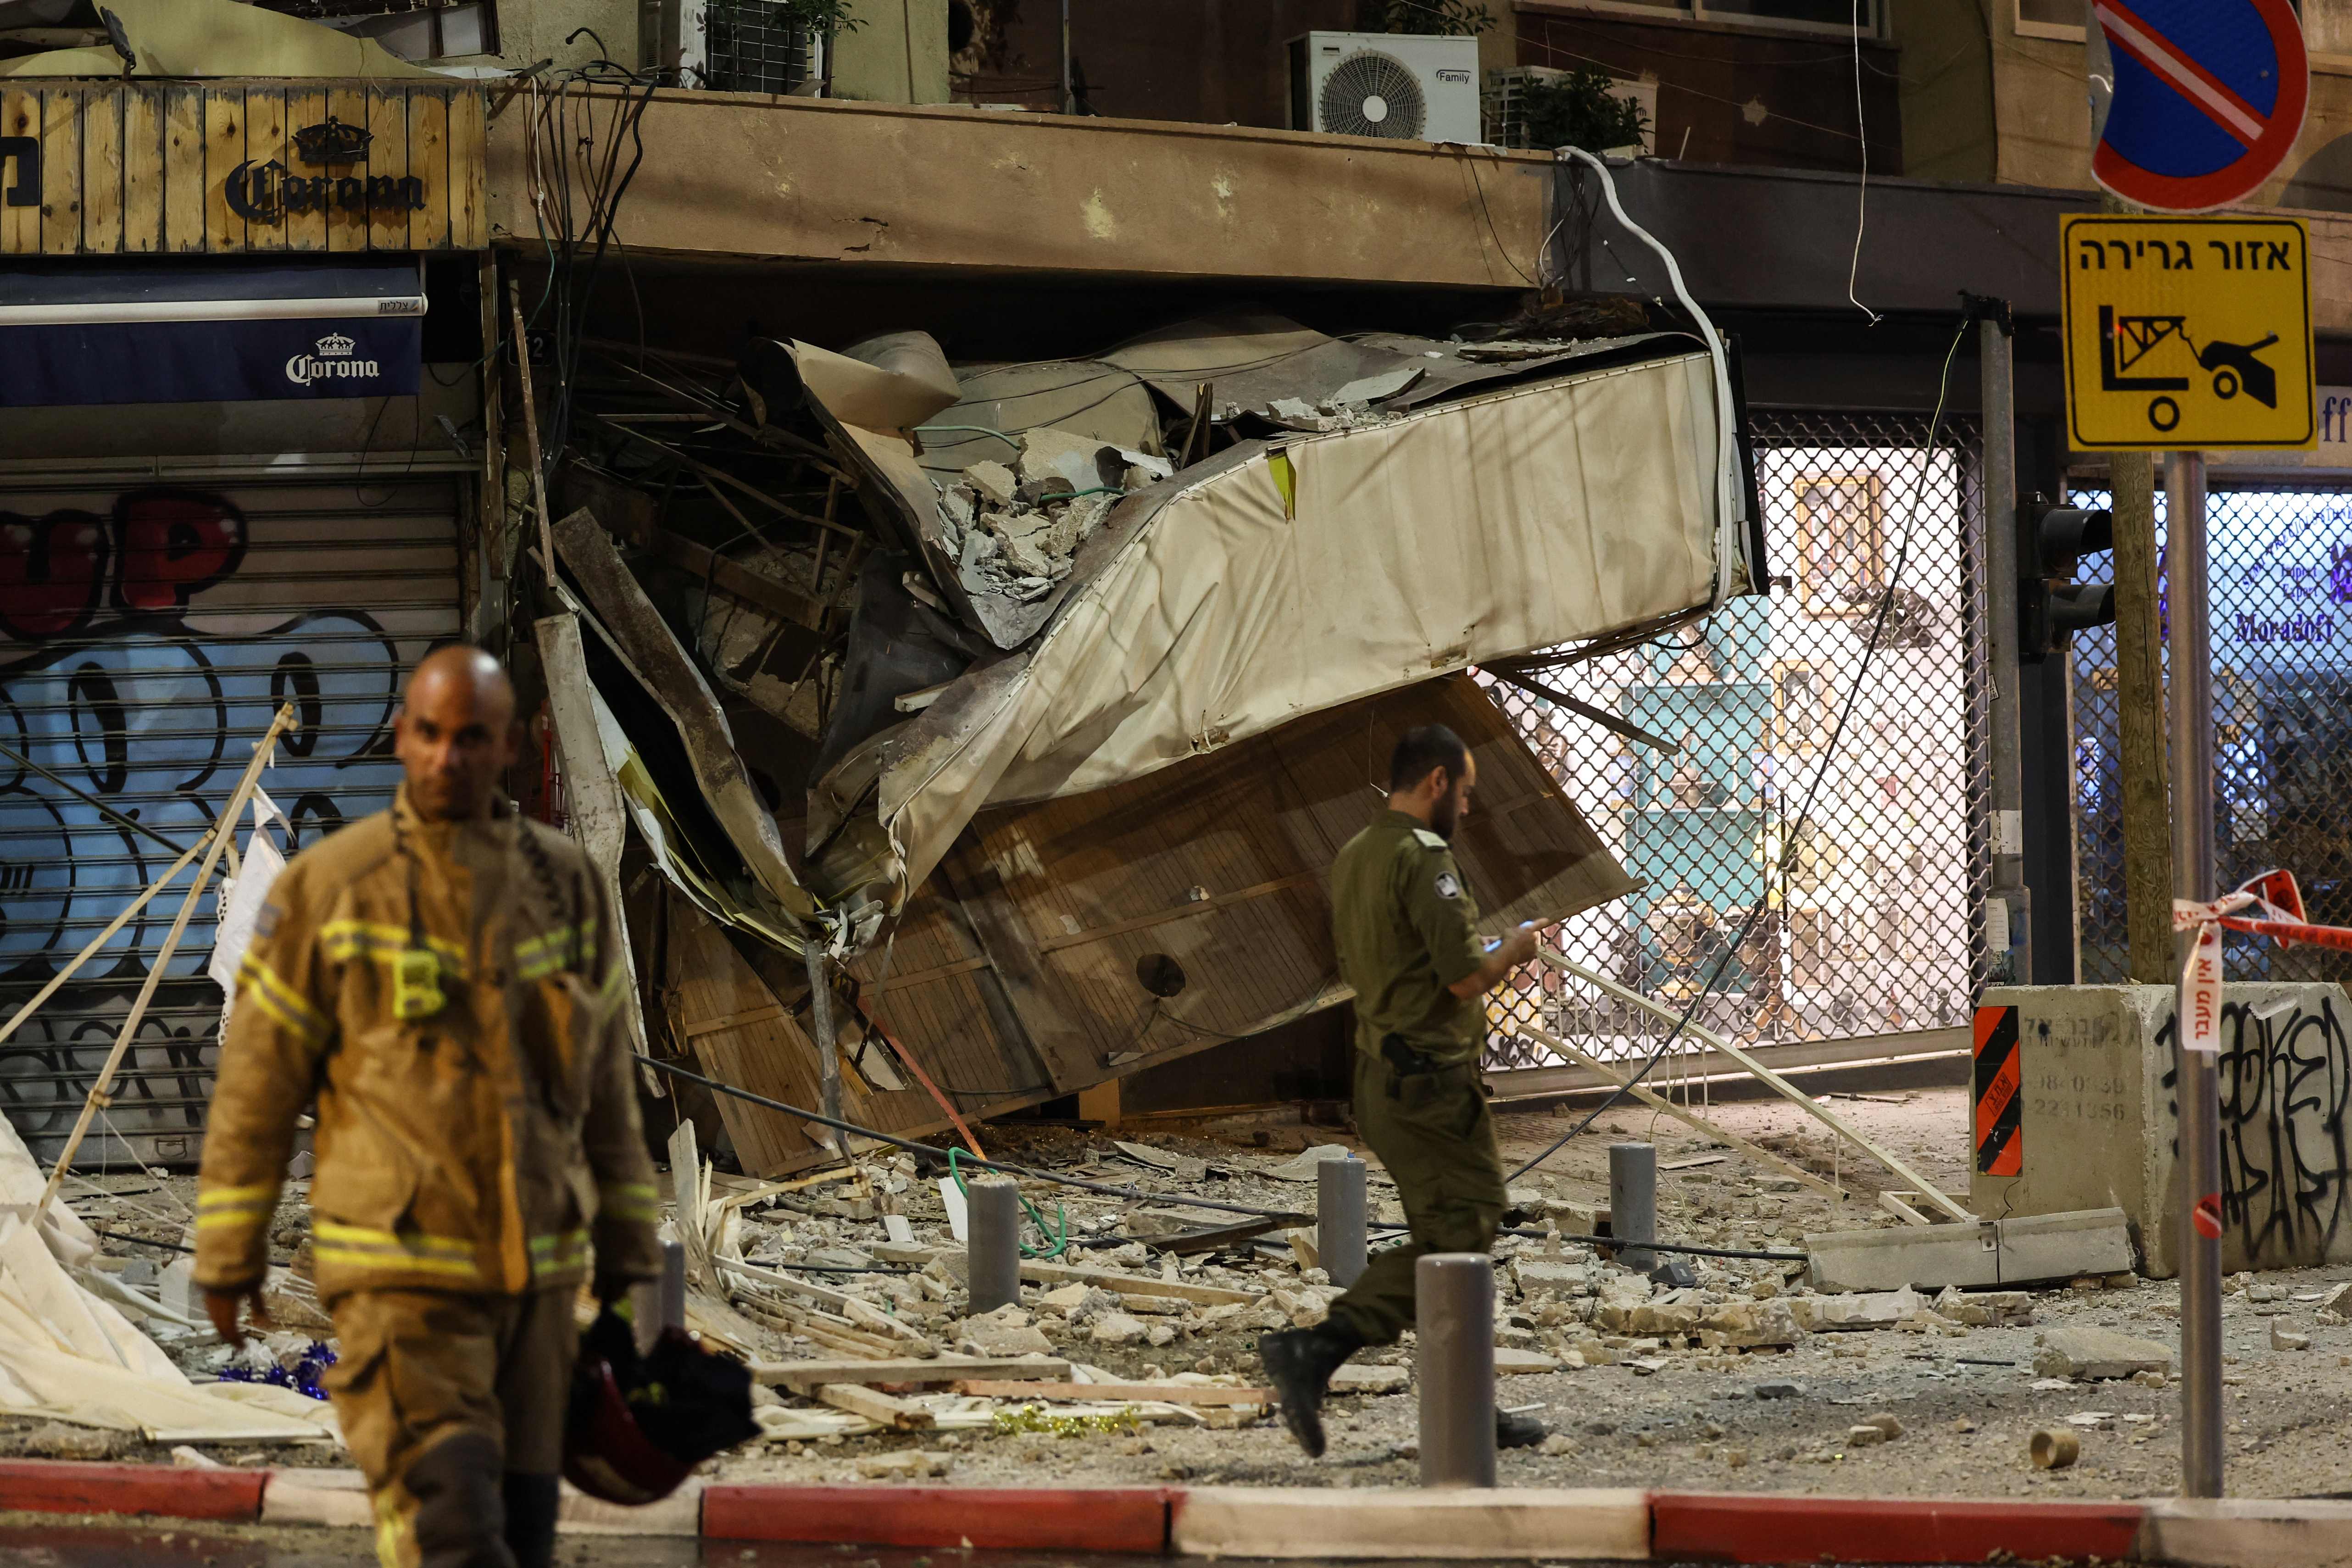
{"x": 1449, "y": 886}
{"x": 1427, "y": 839}
{"x": 266, "y": 923}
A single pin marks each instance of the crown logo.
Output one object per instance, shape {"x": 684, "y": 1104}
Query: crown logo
{"x": 334, "y": 345}
{"x": 332, "y": 142}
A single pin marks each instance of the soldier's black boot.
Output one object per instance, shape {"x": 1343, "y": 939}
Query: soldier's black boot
{"x": 1298, "y": 1366}
{"x": 1513, "y": 1431}
{"x": 532, "y": 1504}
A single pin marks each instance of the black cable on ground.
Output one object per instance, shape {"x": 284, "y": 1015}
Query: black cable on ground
{"x": 1133, "y": 1193}
{"x": 143, "y": 1241}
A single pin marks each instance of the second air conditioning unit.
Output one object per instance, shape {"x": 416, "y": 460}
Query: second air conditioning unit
{"x": 1406, "y": 86}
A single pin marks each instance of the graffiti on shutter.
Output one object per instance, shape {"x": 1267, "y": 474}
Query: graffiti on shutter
{"x": 146, "y": 635}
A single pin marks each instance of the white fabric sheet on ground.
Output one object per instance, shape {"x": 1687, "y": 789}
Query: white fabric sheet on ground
{"x": 1313, "y": 571}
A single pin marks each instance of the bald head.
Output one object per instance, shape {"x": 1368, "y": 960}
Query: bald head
{"x": 455, "y": 732}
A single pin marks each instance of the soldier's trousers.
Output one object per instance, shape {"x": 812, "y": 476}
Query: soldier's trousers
{"x": 453, "y": 1406}
{"x": 1435, "y": 1136}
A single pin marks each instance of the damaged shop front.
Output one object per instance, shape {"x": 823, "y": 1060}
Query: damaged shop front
{"x": 1039, "y": 695}
{"x": 240, "y": 429}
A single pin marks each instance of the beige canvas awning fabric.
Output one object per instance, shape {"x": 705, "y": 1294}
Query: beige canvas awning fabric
{"x": 222, "y": 38}
{"x": 1314, "y": 569}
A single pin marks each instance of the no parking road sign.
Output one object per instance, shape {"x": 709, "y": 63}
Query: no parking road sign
{"x": 2208, "y": 98}
{"x": 2187, "y": 334}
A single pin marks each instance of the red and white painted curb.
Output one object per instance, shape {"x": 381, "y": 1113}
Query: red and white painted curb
{"x": 1554, "y": 1524}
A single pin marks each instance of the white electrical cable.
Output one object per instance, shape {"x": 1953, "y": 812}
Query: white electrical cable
{"x": 1730, "y": 493}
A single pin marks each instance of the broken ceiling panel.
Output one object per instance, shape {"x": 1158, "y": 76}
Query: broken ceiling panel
{"x": 1108, "y": 930}
{"x": 1283, "y": 578}
{"x": 671, "y": 679}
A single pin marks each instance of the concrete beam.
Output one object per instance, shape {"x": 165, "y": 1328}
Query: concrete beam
{"x": 1972, "y": 1256}
{"x": 894, "y": 186}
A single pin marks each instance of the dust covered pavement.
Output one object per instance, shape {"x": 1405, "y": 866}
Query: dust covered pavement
{"x": 1746, "y": 1382}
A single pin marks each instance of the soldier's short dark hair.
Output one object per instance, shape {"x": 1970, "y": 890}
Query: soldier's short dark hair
{"x": 1420, "y": 750}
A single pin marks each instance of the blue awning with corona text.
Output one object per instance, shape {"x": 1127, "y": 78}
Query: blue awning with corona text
{"x": 163, "y": 332}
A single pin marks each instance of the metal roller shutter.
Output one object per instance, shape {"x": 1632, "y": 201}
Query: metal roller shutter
{"x": 147, "y": 632}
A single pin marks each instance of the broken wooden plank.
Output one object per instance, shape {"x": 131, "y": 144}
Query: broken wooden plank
{"x": 868, "y": 1316}
{"x": 1211, "y": 1237}
{"x": 875, "y": 1405}
{"x": 1680, "y": 1113}
{"x": 1781, "y": 1086}
{"x": 804, "y": 1376}
{"x": 1136, "y": 1284}
{"x": 1896, "y": 1205}
{"x": 1166, "y": 1392}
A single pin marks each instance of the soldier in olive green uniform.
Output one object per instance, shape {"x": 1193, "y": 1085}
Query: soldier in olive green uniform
{"x": 1403, "y": 921}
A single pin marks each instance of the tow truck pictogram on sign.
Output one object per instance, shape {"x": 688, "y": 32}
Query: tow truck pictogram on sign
{"x": 2187, "y": 334}
{"x": 2126, "y": 341}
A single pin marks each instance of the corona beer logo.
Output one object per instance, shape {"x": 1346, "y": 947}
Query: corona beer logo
{"x": 265, "y": 193}
{"x": 335, "y": 359}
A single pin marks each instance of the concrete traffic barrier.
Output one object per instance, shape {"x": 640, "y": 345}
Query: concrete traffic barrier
{"x": 1634, "y": 1202}
{"x": 995, "y": 1254}
{"x": 1453, "y": 1312}
{"x": 1340, "y": 1243}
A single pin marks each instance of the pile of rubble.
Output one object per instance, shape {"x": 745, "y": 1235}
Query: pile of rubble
{"x": 1015, "y": 530}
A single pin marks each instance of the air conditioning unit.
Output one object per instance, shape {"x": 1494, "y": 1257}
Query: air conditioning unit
{"x": 1405, "y": 85}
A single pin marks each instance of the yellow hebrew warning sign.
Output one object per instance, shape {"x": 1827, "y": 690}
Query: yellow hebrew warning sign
{"x": 2186, "y": 333}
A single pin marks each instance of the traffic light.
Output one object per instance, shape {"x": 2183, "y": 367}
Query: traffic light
{"x": 2050, "y": 605}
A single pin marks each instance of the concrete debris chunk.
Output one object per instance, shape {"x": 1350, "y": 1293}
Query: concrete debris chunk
{"x": 1877, "y": 1309}
{"x": 907, "y": 1465}
{"x": 1005, "y": 1331}
{"x": 1778, "y": 1389}
{"x": 1302, "y": 1169}
{"x": 1077, "y": 460}
{"x": 1864, "y": 1436}
{"x": 2283, "y": 1339}
{"x": 993, "y": 482}
{"x": 1118, "y": 1328}
{"x": 1353, "y": 1379}
{"x": 1509, "y": 1361}
{"x": 2082, "y": 1351}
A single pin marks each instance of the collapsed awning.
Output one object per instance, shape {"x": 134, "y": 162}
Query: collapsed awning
{"x": 156, "y": 333}
{"x": 1285, "y": 577}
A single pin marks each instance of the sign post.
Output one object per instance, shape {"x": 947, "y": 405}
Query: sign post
{"x": 2185, "y": 334}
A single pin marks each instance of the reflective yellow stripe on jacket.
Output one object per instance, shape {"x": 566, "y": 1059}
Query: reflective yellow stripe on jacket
{"x": 242, "y": 1206}
{"x": 555, "y": 1254}
{"x": 357, "y": 1246}
{"x": 343, "y": 940}
{"x": 550, "y": 951}
{"x": 633, "y": 1201}
{"x": 259, "y": 982}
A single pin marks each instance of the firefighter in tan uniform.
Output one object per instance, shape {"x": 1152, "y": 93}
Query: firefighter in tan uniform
{"x": 443, "y": 979}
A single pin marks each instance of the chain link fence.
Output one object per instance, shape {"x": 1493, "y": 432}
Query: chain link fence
{"x": 1872, "y": 901}
{"x": 2280, "y": 575}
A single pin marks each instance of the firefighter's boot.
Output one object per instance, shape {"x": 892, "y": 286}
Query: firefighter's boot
{"x": 530, "y": 1519}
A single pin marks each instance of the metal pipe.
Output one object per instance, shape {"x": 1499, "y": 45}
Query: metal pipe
{"x": 673, "y": 1286}
{"x": 2193, "y": 859}
{"x": 2009, "y": 919}
{"x": 1069, "y": 99}
{"x": 995, "y": 1259}
{"x": 1453, "y": 1314}
{"x": 1340, "y": 1218}
{"x": 1634, "y": 1202}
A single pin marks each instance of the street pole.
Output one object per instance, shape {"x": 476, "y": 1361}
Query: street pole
{"x": 2140, "y": 763}
{"x": 2199, "y": 1078}
{"x": 2009, "y": 909}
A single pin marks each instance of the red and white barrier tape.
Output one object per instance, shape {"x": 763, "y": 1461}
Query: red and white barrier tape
{"x": 2269, "y": 905}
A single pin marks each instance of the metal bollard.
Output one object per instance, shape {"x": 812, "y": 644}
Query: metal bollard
{"x": 1634, "y": 1202}
{"x": 1340, "y": 1218}
{"x": 673, "y": 1286}
{"x": 995, "y": 1259}
{"x": 1453, "y": 1309}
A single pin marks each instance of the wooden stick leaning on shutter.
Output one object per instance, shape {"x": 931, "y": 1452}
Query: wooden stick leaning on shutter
{"x": 100, "y": 1094}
